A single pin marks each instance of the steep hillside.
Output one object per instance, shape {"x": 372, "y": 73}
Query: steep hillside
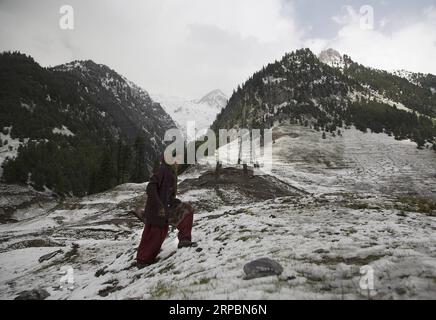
{"x": 122, "y": 103}
{"x": 75, "y": 128}
{"x": 330, "y": 94}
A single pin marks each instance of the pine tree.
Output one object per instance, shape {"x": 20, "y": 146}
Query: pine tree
{"x": 139, "y": 173}
{"x": 119, "y": 161}
{"x": 105, "y": 175}
{"x": 126, "y": 162}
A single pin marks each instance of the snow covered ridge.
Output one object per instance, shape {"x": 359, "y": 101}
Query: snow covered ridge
{"x": 109, "y": 78}
{"x": 412, "y": 77}
{"x": 74, "y": 65}
{"x": 334, "y": 59}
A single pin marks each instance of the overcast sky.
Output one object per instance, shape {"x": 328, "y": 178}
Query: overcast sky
{"x": 190, "y": 47}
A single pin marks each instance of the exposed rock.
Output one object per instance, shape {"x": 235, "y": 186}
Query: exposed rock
{"x": 35, "y": 294}
{"x": 263, "y": 267}
{"x": 49, "y": 256}
{"x": 321, "y": 251}
{"x": 253, "y": 186}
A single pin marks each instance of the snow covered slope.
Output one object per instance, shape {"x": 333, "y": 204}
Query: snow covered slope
{"x": 330, "y": 207}
{"x": 202, "y": 111}
{"x": 335, "y": 59}
{"x": 409, "y": 76}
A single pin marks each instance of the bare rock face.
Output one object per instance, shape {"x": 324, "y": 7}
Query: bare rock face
{"x": 263, "y": 267}
{"x": 330, "y": 57}
{"x": 35, "y": 294}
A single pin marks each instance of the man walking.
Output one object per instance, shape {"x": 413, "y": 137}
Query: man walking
{"x": 161, "y": 209}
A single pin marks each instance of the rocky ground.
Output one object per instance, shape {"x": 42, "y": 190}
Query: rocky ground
{"x": 329, "y": 210}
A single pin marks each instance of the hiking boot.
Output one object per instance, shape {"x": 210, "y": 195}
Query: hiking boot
{"x": 187, "y": 244}
{"x": 141, "y": 265}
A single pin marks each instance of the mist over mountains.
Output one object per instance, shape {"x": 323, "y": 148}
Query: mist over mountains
{"x": 203, "y": 111}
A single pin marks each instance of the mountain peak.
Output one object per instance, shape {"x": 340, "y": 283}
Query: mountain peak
{"x": 81, "y": 65}
{"x": 329, "y": 53}
{"x": 215, "y": 98}
{"x": 215, "y": 92}
{"x": 332, "y": 57}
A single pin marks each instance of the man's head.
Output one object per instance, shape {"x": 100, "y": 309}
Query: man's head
{"x": 174, "y": 165}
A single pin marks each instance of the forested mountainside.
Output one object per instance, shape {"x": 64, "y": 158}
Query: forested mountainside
{"x": 333, "y": 92}
{"x": 77, "y": 128}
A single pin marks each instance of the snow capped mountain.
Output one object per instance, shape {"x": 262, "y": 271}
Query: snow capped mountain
{"x": 409, "y": 76}
{"x": 336, "y": 60}
{"x": 203, "y": 111}
{"x": 215, "y": 98}
{"x": 301, "y": 88}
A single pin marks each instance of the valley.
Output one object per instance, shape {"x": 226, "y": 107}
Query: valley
{"x": 351, "y": 188}
{"x": 334, "y": 210}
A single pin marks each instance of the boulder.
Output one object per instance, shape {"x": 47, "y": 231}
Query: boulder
{"x": 35, "y": 294}
{"x": 263, "y": 267}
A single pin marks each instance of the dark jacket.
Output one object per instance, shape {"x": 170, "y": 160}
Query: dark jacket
{"x": 161, "y": 191}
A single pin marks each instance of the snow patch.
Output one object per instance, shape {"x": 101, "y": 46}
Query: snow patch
{"x": 9, "y": 148}
{"x": 28, "y": 107}
{"x": 63, "y": 131}
{"x": 273, "y": 80}
{"x": 356, "y": 95}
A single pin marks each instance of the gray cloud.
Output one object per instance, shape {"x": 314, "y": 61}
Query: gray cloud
{"x": 188, "y": 47}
